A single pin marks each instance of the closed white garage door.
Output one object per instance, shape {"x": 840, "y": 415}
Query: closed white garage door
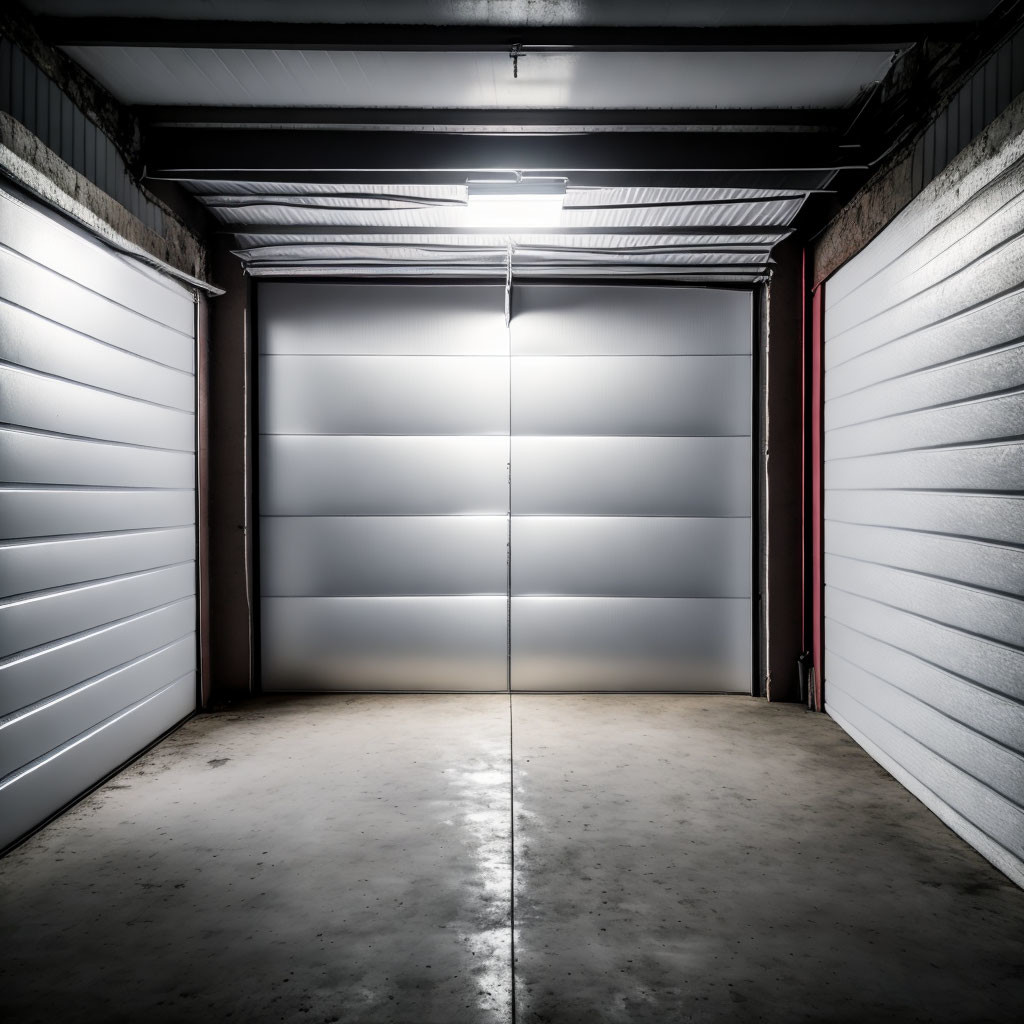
{"x": 924, "y": 513}
{"x": 97, "y": 511}
{"x": 450, "y": 504}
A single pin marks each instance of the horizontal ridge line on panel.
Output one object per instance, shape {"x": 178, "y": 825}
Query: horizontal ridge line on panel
{"x": 941, "y": 534}
{"x": 31, "y": 596}
{"x": 966, "y": 311}
{"x": 921, "y": 700}
{"x": 974, "y": 587}
{"x": 953, "y": 403}
{"x": 956, "y": 767}
{"x": 40, "y": 650}
{"x": 86, "y": 734}
{"x": 54, "y": 698}
{"x": 937, "y": 666}
{"x": 1003, "y": 346}
{"x": 98, "y": 341}
{"x": 22, "y": 428}
{"x": 984, "y": 637}
{"x": 69, "y": 538}
{"x": 106, "y": 298}
{"x": 45, "y": 375}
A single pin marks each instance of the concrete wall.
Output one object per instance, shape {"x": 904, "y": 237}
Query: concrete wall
{"x": 70, "y": 143}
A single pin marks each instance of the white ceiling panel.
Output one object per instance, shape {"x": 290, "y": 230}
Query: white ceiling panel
{"x": 395, "y": 80}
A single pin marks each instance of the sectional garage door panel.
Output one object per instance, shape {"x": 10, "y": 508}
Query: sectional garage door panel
{"x": 988, "y": 372}
{"x": 384, "y": 643}
{"x": 42, "y": 564}
{"x": 37, "y": 289}
{"x": 51, "y": 781}
{"x": 305, "y": 475}
{"x": 97, "y": 511}
{"x": 594, "y": 320}
{"x": 401, "y": 395}
{"x": 374, "y": 556}
{"x": 31, "y": 458}
{"x": 41, "y": 672}
{"x": 623, "y": 476}
{"x": 63, "y": 407}
{"x": 957, "y": 559}
{"x": 302, "y": 318}
{"x": 995, "y": 467}
{"x": 55, "y": 511}
{"x": 996, "y": 322}
{"x": 993, "y": 517}
{"x": 449, "y": 503}
{"x": 619, "y": 644}
{"x": 612, "y": 556}
{"x": 924, "y": 518}
{"x": 384, "y": 487}
{"x": 667, "y": 396}
{"x": 95, "y": 700}
{"x": 49, "y": 347}
{"x": 117, "y": 280}
{"x": 631, "y": 489}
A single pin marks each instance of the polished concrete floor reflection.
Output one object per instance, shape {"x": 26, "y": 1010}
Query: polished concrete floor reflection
{"x": 350, "y": 859}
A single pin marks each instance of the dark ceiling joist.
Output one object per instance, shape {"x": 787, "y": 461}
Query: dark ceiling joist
{"x": 503, "y": 119}
{"x": 733, "y": 231}
{"x": 305, "y": 36}
{"x": 296, "y": 201}
{"x": 806, "y": 181}
{"x": 782, "y": 161}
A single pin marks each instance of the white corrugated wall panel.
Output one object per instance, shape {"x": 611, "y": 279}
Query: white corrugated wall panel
{"x": 97, "y": 511}
{"x": 924, "y": 506}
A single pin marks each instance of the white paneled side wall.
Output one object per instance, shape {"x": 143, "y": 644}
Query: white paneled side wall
{"x": 924, "y": 503}
{"x": 97, "y": 511}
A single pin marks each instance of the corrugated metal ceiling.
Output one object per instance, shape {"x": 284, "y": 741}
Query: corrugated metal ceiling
{"x": 381, "y": 229}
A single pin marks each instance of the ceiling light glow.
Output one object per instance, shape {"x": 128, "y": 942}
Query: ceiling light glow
{"x": 518, "y": 203}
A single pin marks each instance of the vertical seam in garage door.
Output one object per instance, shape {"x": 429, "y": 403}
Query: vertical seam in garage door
{"x": 508, "y": 676}
{"x": 512, "y": 859}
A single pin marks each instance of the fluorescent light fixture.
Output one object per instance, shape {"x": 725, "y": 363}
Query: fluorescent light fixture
{"x": 517, "y": 203}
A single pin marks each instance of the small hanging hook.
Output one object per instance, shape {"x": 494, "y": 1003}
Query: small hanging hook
{"x": 515, "y": 53}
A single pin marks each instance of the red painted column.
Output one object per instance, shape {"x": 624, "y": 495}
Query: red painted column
{"x": 817, "y": 477}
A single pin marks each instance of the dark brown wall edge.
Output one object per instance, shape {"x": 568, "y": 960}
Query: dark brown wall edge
{"x": 781, "y": 508}
{"x": 230, "y": 564}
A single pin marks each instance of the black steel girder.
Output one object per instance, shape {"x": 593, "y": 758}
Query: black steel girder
{"x": 798, "y": 161}
{"x": 732, "y": 231}
{"x": 497, "y": 119}
{"x": 60, "y": 31}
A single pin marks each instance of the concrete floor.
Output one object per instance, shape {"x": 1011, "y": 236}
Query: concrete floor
{"x": 347, "y": 859}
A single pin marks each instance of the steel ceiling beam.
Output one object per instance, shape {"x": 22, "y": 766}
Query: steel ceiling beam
{"x": 732, "y": 231}
{"x": 799, "y": 162}
{"x": 493, "y": 120}
{"x": 60, "y": 31}
{"x": 808, "y": 181}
